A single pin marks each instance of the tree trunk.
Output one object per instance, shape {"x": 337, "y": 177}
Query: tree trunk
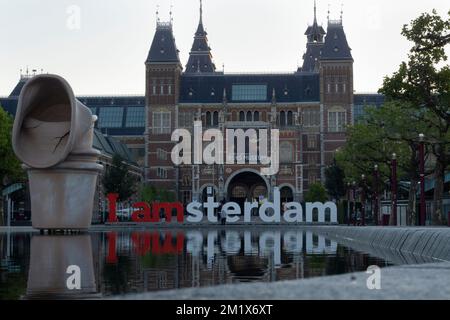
{"x": 439, "y": 172}
{"x": 412, "y": 208}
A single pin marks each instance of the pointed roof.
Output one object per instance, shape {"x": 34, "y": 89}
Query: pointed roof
{"x": 200, "y": 58}
{"x": 315, "y": 32}
{"x": 336, "y": 45}
{"x": 315, "y": 35}
{"x": 164, "y": 48}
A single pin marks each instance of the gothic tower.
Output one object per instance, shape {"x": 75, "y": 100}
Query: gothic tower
{"x": 315, "y": 35}
{"x": 163, "y": 72}
{"x": 336, "y": 87}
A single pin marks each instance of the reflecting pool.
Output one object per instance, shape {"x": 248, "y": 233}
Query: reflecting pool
{"x": 102, "y": 264}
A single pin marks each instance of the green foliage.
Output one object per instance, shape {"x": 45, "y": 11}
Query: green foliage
{"x": 117, "y": 179}
{"x": 316, "y": 193}
{"x": 335, "y": 183}
{"x": 423, "y": 83}
{"x": 151, "y": 194}
{"x": 10, "y": 169}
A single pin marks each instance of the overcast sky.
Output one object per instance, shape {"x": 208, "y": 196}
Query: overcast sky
{"x": 103, "y": 51}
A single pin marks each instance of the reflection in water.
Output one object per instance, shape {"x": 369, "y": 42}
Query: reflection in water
{"x": 114, "y": 263}
{"x": 56, "y": 264}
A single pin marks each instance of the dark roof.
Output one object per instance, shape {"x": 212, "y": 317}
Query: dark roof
{"x": 312, "y": 57}
{"x": 164, "y": 48}
{"x": 336, "y": 45}
{"x": 208, "y": 88}
{"x": 111, "y": 146}
{"x": 18, "y": 87}
{"x": 131, "y": 121}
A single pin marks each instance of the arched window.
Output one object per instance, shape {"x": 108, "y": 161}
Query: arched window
{"x": 282, "y": 119}
{"x": 208, "y": 118}
{"x": 256, "y": 116}
{"x": 215, "y": 118}
{"x": 249, "y": 116}
{"x": 241, "y": 116}
{"x": 290, "y": 118}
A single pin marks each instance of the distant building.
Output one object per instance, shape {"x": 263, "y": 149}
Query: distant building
{"x": 311, "y": 106}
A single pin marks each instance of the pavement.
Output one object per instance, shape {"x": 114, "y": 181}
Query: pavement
{"x": 414, "y": 282}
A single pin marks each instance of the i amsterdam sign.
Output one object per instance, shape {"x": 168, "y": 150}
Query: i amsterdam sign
{"x": 269, "y": 212}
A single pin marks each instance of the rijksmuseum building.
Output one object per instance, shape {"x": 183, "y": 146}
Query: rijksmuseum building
{"x": 311, "y": 107}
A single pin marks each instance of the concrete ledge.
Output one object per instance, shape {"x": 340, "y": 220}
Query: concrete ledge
{"x": 407, "y": 245}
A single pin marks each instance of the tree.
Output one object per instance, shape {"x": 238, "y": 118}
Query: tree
{"x": 421, "y": 83}
{"x": 335, "y": 183}
{"x": 316, "y": 193}
{"x": 10, "y": 169}
{"x": 151, "y": 194}
{"x": 118, "y": 179}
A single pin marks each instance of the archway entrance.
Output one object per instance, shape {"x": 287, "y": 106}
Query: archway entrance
{"x": 246, "y": 186}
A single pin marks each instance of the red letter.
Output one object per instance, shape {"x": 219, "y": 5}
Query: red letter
{"x": 111, "y": 257}
{"x": 168, "y": 207}
{"x": 112, "y": 202}
{"x": 142, "y": 215}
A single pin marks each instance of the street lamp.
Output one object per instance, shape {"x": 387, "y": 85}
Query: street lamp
{"x": 348, "y": 203}
{"x": 376, "y": 176}
{"x": 393, "y": 220}
{"x": 363, "y": 200}
{"x": 354, "y": 202}
{"x": 422, "y": 179}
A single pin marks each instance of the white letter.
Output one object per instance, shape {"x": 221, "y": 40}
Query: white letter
{"x": 74, "y": 280}
{"x": 210, "y": 205}
{"x": 183, "y": 147}
{"x": 274, "y": 154}
{"x": 275, "y": 206}
{"x": 232, "y": 211}
{"x": 198, "y": 142}
{"x": 294, "y": 214}
{"x": 248, "y": 210}
{"x": 374, "y": 281}
{"x": 74, "y": 19}
{"x": 215, "y": 147}
{"x": 194, "y": 213}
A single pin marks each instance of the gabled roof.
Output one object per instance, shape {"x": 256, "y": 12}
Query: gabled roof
{"x": 336, "y": 46}
{"x": 164, "y": 48}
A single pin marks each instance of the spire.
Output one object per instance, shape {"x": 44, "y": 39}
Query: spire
{"x": 201, "y": 12}
{"x": 200, "y": 58}
{"x": 315, "y": 34}
{"x": 315, "y": 12}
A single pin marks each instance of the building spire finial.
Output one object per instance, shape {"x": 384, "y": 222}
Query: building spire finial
{"x": 315, "y": 12}
{"x": 171, "y": 13}
{"x": 201, "y": 12}
{"x": 342, "y": 10}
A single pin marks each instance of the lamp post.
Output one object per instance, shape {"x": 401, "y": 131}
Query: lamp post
{"x": 348, "y": 204}
{"x": 393, "y": 219}
{"x": 376, "y": 176}
{"x": 422, "y": 179}
{"x": 354, "y": 202}
{"x": 363, "y": 200}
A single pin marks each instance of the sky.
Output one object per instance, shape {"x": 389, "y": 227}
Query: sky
{"x": 100, "y": 46}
